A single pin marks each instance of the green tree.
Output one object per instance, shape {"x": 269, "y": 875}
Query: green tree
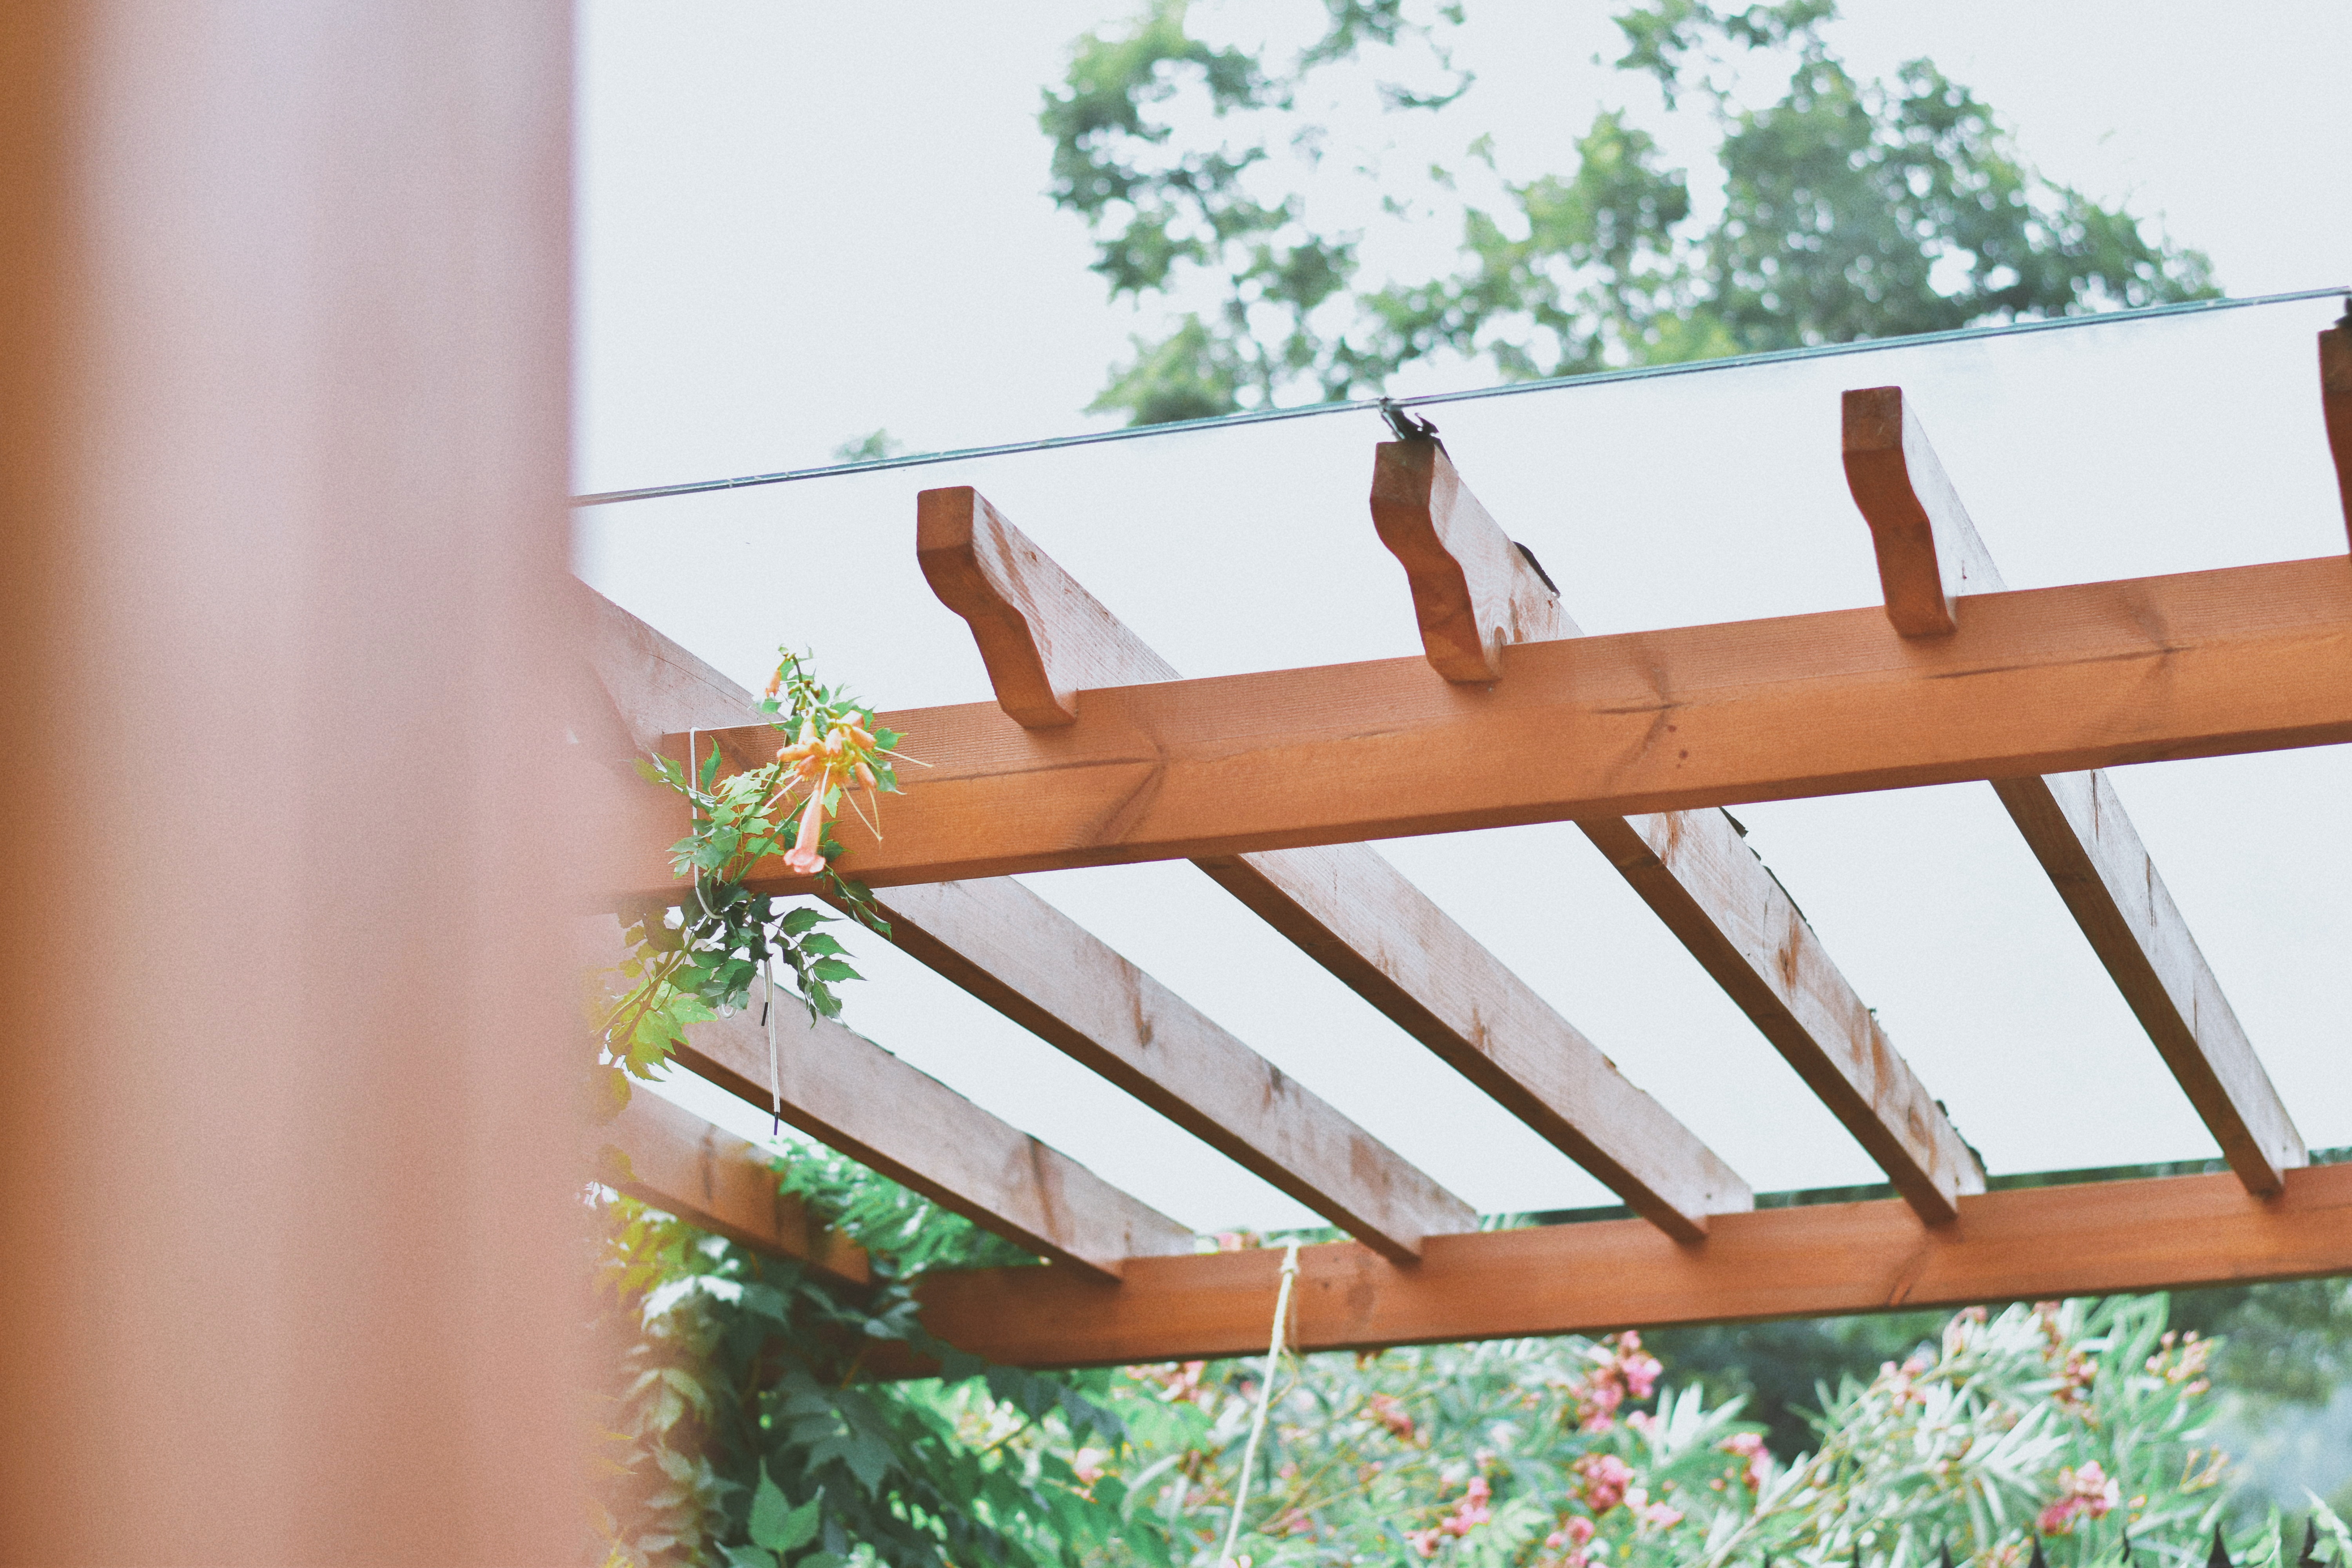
{"x": 1850, "y": 208}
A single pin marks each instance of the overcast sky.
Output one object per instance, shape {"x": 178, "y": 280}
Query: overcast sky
{"x": 799, "y": 224}
{"x": 802, "y": 223}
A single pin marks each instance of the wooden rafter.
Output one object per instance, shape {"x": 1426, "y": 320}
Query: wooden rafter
{"x": 675, "y": 1161}
{"x": 2336, "y": 402}
{"x": 1041, "y": 969}
{"x": 1038, "y": 967}
{"x": 1929, "y": 556}
{"x": 1478, "y": 589}
{"x": 2245, "y": 658}
{"x": 2023, "y": 1244}
{"x": 1344, "y": 906}
{"x": 852, "y": 1095}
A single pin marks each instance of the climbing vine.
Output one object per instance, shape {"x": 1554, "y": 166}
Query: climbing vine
{"x": 688, "y": 961}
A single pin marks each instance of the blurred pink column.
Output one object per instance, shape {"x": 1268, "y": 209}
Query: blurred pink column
{"x": 288, "y": 1260}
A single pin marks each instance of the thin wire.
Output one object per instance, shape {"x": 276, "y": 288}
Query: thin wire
{"x": 1512, "y": 389}
{"x": 1265, "y": 1398}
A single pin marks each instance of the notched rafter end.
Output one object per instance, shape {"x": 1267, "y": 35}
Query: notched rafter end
{"x": 1928, "y": 552}
{"x": 2336, "y": 402}
{"x": 1474, "y": 591}
{"x": 971, "y": 556}
{"x": 1042, "y": 635}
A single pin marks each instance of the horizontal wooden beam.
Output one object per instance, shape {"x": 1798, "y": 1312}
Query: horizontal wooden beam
{"x": 2336, "y": 403}
{"x": 1044, "y": 970}
{"x": 1693, "y": 868}
{"x": 2024, "y": 1244}
{"x": 1344, "y": 906}
{"x": 2246, "y": 659}
{"x": 2076, "y": 827}
{"x": 678, "y": 1163}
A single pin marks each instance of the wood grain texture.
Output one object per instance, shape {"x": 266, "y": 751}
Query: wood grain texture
{"x": 1038, "y": 967}
{"x": 2245, "y": 658}
{"x": 852, "y": 1095}
{"x": 1360, "y": 919}
{"x": 656, "y": 685}
{"x": 2077, "y": 829}
{"x": 2030, "y": 1244}
{"x": 1040, "y": 632}
{"x": 1700, "y": 876}
{"x": 1041, "y": 969}
{"x": 1692, "y": 869}
{"x": 1359, "y": 916}
{"x": 1474, "y": 592}
{"x": 1928, "y": 552}
{"x": 2336, "y": 403}
{"x": 680, "y": 1163}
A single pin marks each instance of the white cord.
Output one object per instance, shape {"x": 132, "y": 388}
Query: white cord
{"x": 775, "y": 1081}
{"x": 1265, "y": 1398}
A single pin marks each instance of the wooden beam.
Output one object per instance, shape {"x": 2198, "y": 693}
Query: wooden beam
{"x": 1046, "y": 972}
{"x": 1361, "y": 918}
{"x": 2336, "y": 402}
{"x": 2077, "y": 829}
{"x": 675, "y": 1161}
{"x": 2023, "y": 1244}
{"x": 2073, "y": 822}
{"x": 1474, "y": 590}
{"x": 1691, "y": 868}
{"x": 2246, "y": 659}
{"x": 1696, "y": 873}
{"x": 1038, "y": 967}
{"x": 1348, "y": 908}
{"x": 850, "y": 1094}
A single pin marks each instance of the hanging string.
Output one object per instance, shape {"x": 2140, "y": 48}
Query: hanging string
{"x": 1264, "y": 1399}
{"x": 776, "y": 1080}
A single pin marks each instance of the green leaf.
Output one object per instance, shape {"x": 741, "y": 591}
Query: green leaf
{"x": 833, "y": 969}
{"x": 776, "y": 1524}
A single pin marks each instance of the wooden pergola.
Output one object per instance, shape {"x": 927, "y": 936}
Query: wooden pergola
{"x": 1097, "y": 753}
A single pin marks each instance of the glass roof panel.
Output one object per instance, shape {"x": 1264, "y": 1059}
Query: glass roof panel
{"x": 2109, "y": 447}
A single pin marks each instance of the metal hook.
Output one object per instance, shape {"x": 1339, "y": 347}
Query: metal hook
{"x": 1410, "y": 428}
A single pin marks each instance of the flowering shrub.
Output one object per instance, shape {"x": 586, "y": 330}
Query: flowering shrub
{"x": 2076, "y": 1422}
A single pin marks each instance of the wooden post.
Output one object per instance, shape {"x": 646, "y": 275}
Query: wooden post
{"x": 285, "y": 1128}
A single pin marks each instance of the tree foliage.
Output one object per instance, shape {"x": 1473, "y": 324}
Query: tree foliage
{"x": 1846, "y": 208}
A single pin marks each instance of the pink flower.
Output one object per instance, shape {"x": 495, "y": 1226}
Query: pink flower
{"x": 1389, "y": 1411}
{"x": 1426, "y": 1541}
{"x": 1575, "y": 1532}
{"x": 1605, "y": 1477}
{"x": 1088, "y": 1464}
{"x": 1471, "y": 1511}
{"x": 804, "y": 857}
{"x": 1750, "y": 1445}
{"x": 2085, "y": 1491}
{"x": 1639, "y": 1371}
